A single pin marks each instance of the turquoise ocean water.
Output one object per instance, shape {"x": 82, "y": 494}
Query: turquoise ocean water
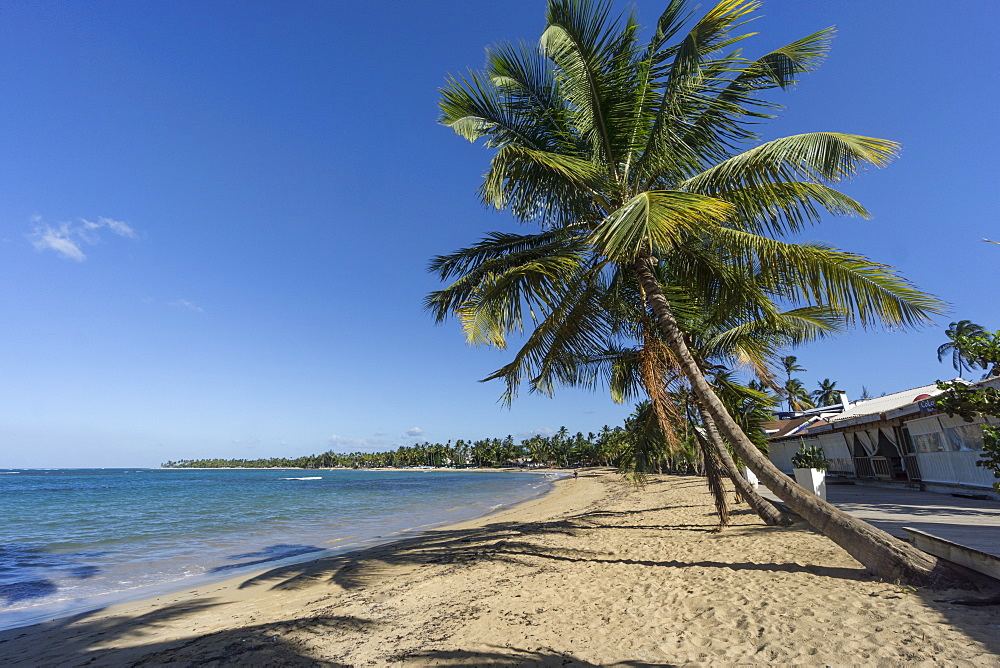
{"x": 77, "y": 539}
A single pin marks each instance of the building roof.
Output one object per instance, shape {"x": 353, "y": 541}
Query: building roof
{"x": 889, "y": 403}
{"x": 793, "y": 427}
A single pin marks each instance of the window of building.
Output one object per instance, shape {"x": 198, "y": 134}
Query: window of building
{"x": 932, "y": 442}
{"x": 965, "y": 437}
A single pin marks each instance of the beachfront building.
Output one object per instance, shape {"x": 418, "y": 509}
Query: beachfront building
{"x": 899, "y": 438}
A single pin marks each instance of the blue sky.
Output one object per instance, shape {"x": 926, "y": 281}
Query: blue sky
{"x": 215, "y": 217}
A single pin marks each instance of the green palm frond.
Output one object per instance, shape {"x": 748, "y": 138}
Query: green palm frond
{"x": 573, "y": 329}
{"x": 495, "y": 246}
{"x": 817, "y": 157}
{"x": 756, "y": 343}
{"x": 670, "y": 23}
{"x": 782, "y": 67}
{"x": 538, "y": 260}
{"x": 495, "y": 308}
{"x": 526, "y": 80}
{"x": 474, "y": 108}
{"x": 784, "y": 208}
{"x": 592, "y": 52}
{"x": 657, "y": 219}
{"x": 526, "y": 179}
{"x": 867, "y": 292}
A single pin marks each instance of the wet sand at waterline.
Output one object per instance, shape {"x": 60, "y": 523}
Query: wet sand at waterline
{"x": 594, "y": 573}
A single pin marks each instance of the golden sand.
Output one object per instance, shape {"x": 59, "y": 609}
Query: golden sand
{"x": 595, "y": 573}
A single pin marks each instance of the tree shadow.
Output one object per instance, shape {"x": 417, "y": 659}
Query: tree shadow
{"x": 509, "y": 542}
{"x": 30, "y": 572}
{"x": 639, "y": 511}
{"x": 978, "y": 623}
{"x": 502, "y": 656}
{"x": 78, "y": 634}
{"x": 917, "y": 509}
{"x": 267, "y": 554}
{"x": 77, "y": 640}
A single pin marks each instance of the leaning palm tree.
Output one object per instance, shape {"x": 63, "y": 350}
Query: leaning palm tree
{"x": 747, "y": 331}
{"x": 721, "y": 336}
{"x": 955, "y": 331}
{"x": 827, "y": 394}
{"x": 629, "y": 153}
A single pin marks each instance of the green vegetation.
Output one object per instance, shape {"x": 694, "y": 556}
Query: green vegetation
{"x": 610, "y": 447}
{"x": 973, "y": 347}
{"x": 559, "y": 449}
{"x": 960, "y": 337}
{"x": 810, "y": 457}
{"x": 793, "y": 390}
{"x": 654, "y": 197}
{"x": 827, "y": 394}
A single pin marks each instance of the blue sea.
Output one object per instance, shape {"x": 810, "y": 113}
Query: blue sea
{"x": 78, "y": 539}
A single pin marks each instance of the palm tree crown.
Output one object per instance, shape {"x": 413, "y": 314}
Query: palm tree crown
{"x": 630, "y": 155}
{"x": 790, "y": 365}
{"x": 827, "y": 394}
{"x": 957, "y": 330}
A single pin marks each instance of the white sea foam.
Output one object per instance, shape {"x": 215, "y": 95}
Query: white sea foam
{"x": 318, "y": 477}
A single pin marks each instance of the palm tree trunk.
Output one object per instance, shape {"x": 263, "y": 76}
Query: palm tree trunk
{"x": 715, "y": 476}
{"x": 764, "y": 508}
{"x": 882, "y": 554}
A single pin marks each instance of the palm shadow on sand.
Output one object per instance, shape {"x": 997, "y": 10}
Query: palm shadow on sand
{"x": 512, "y": 542}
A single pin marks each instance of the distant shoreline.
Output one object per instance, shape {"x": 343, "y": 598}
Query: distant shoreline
{"x": 513, "y": 469}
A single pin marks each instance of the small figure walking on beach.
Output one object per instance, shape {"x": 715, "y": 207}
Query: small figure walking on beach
{"x": 576, "y": 474}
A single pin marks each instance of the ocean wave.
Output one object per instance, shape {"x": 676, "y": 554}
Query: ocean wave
{"x": 318, "y": 477}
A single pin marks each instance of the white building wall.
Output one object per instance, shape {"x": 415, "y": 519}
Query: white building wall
{"x": 954, "y": 467}
{"x": 946, "y": 464}
{"x": 781, "y": 454}
{"x": 836, "y": 451}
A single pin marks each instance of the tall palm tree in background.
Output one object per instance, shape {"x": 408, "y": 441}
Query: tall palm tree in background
{"x": 790, "y": 365}
{"x": 627, "y": 154}
{"x": 793, "y": 390}
{"x": 797, "y": 395}
{"x": 827, "y": 394}
{"x": 962, "y": 328}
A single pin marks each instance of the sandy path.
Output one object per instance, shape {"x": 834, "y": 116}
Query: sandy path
{"x": 593, "y": 574}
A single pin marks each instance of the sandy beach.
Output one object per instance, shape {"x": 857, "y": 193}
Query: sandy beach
{"x": 594, "y": 573}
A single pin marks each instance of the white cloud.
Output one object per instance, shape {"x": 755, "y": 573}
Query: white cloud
{"x": 58, "y": 239}
{"x": 67, "y": 239}
{"x": 413, "y": 432}
{"x": 120, "y": 228}
{"x": 185, "y": 304}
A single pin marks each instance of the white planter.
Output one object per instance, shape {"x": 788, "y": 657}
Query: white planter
{"x": 751, "y": 478}
{"x": 813, "y": 480}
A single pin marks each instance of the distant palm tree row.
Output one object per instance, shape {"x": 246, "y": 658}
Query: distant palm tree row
{"x": 609, "y": 447}
{"x": 798, "y": 397}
